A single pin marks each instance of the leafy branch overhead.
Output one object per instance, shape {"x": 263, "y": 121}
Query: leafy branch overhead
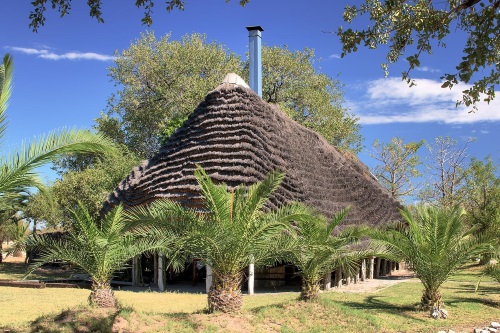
{"x": 37, "y": 15}
{"x": 412, "y": 28}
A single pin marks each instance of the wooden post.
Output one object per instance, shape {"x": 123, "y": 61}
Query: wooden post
{"x": 208, "y": 280}
{"x": 135, "y": 283}
{"x": 161, "y": 272}
{"x": 372, "y": 267}
{"x": 363, "y": 269}
{"x": 328, "y": 281}
{"x": 251, "y": 279}
{"x": 155, "y": 269}
{"x": 338, "y": 277}
{"x": 377, "y": 270}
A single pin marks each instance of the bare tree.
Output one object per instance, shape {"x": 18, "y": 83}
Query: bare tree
{"x": 446, "y": 162}
{"x": 399, "y": 165}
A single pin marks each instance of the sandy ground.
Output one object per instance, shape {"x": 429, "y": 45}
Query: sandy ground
{"x": 370, "y": 286}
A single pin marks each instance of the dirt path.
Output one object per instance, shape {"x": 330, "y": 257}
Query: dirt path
{"x": 374, "y": 285}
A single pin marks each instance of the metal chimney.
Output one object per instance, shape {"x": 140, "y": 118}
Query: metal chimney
{"x": 255, "y": 54}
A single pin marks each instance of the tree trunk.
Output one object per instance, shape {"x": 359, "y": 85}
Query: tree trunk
{"x": 310, "y": 290}
{"x": 225, "y": 293}
{"x": 432, "y": 301}
{"x": 101, "y": 295}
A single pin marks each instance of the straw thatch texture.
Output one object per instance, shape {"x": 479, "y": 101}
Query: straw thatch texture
{"x": 238, "y": 138}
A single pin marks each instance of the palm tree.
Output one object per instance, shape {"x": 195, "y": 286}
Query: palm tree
{"x": 434, "y": 243}
{"x": 233, "y": 230}
{"x": 317, "y": 250}
{"x": 17, "y": 169}
{"x": 99, "y": 249}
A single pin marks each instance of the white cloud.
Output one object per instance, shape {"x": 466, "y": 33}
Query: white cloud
{"x": 44, "y": 53}
{"x": 391, "y": 100}
{"x": 427, "y": 69}
{"x": 334, "y": 56}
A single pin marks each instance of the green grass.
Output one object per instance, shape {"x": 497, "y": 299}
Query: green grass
{"x": 393, "y": 309}
{"x": 17, "y": 271}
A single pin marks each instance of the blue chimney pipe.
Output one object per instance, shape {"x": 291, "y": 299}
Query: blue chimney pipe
{"x": 255, "y": 54}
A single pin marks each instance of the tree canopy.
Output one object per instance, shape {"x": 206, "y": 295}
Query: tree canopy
{"x": 38, "y": 12}
{"x": 161, "y": 81}
{"x": 399, "y": 165}
{"x": 413, "y": 28}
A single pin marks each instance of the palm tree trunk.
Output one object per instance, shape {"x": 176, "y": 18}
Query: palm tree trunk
{"x": 432, "y": 301}
{"x": 102, "y": 295}
{"x": 310, "y": 290}
{"x": 225, "y": 293}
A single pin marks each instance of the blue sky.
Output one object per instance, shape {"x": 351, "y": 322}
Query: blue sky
{"x": 61, "y": 71}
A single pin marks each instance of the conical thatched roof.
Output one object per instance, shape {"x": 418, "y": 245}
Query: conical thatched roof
{"x": 238, "y": 139}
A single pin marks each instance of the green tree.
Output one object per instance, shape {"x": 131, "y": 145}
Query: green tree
{"x": 18, "y": 169}
{"x": 93, "y": 185}
{"x": 480, "y": 196}
{"x": 435, "y": 242}
{"x": 413, "y": 28}
{"x": 316, "y": 250}
{"x": 399, "y": 165}
{"x": 313, "y": 99}
{"x": 444, "y": 171}
{"x": 17, "y": 233}
{"x": 37, "y": 15}
{"x": 162, "y": 81}
{"x": 231, "y": 231}
{"x": 99, "y": 248}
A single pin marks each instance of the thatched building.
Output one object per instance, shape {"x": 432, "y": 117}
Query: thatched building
{"x": 238, "y": 138}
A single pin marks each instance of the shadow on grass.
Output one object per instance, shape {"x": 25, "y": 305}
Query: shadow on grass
{"x": 13, "y": 268}
{"x": 375, "y": 303}
{"x": 462, "y": 300}
{"x": 79, "y": 320}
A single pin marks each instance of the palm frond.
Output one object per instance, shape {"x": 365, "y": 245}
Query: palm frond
{"x": 6, "y": 70}
{"x": 18, "y": 168}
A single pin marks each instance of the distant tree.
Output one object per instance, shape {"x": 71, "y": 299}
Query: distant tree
{"x": 435, "y": 242}
{"x": 444, "y": 170}
{"x": 42, "y": 208}
{"x": 37, "y": 15}
{"x": 162, "y": 82}
{"x": 399, "y": 165}
{"x": 416, "y": 27}
{"x": 313, "y": 99}
{"x": 90, "y": 187}
{"x": 480, "y": 196}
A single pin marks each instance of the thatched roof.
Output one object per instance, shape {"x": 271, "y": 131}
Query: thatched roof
{"x": 238, "y": 139}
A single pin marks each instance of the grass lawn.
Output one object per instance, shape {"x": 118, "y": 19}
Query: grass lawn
{"x": 389, "y": 310}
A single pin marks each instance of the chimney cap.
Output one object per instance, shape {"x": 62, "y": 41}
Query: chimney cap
{"x": 254, "y": 27}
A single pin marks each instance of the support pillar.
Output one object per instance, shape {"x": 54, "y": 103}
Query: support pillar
{"x": 155, "y": 269}
{"x": 338, "y": 277}
{"x": 372, "y": 268}
{"x": 135, "y": 276}
{"x": 384, "y": 268}
{"x": 377, "y": 270}
{"x": 328, "y": 281}
{"x": 251, "y": 279}
{"x": 208, "y": 280}
{"x": 356, "y": 275}
{"x": 363, "y": 270}
{"x": 161, "y": 272}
